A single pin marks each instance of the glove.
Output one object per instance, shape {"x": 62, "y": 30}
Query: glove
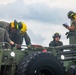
{"x": 65, "y": 25}
{"x": 44, "y": 50}
{"x": 13, "y": 45}
{"x": 66, "y": 33}
{"x": 29, "y": 45}
{"x": 18, "y": 47}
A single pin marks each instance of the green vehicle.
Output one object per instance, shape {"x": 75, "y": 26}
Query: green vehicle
{"x": 37, "y": 60}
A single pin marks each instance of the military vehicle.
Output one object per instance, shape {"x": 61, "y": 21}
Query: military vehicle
{"x": 37, "y": 60}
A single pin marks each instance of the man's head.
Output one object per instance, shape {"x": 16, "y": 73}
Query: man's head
{"x": 22, "y": 27}
{"x": 71, "y": 15}
{"x": 19, "y": 26}
{"x": 56, "y": 36}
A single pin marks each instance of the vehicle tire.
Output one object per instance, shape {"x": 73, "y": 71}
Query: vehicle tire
{"x": 72, "y": 70}
{"x": 40, "y": 64}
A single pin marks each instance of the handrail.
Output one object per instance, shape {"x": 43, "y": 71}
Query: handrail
{"x": 2, "y": 45}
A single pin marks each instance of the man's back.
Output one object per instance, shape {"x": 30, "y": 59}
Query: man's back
{"x": 4, "y": 25}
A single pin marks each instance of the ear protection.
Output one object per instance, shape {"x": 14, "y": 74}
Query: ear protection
{"x": 16, "y": 25}
{"x": 12, "y": 24}
{"x": 24, "y": 27}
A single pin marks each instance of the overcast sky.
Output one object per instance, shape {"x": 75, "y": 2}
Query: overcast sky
{"x": 43, "y": 17}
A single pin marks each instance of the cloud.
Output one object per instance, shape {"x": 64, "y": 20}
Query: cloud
{"x": 37, "y": 11}
{"x": 36, "y": 38}
{"x": 5, "y": 2}
{"x": 36, "y": 1}
{"x": 48, "y": 16}
{"x": 68, "y": 4}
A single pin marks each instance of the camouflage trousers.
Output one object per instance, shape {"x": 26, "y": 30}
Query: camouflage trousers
{"x": 72, "y": 39}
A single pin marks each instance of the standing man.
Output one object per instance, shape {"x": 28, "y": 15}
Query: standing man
{"x": 56, "y": 40}
{"x": 72, "y": 28}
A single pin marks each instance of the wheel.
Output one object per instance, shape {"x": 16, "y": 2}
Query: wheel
{"x": 72, "y": 70}
{"x": 40, "y": 64}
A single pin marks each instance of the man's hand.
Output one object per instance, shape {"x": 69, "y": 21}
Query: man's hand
{"x": 18, "y": 46}
{"x": 12, "y": 43}
{"x": 65, "y": 25}
{"x": 29, "y": 45}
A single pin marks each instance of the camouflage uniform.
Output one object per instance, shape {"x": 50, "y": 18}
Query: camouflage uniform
{"x": 72, "y": 37}
{"x": 4, "y": 36}
{"x": 55, "y": 43}
{"x": 27, "y": 39}
{"x": 19, "y": 38}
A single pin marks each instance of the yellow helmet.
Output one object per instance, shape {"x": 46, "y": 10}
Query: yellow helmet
{"x": 24, "y": 27}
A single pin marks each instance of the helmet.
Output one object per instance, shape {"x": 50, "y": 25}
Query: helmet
{"x": 56, "y": 35}
{"x": 14, "y": 24}
{"x": 70, "y": 14}
{"x": 23, "y": 28}
{"x": 19, "y": 25}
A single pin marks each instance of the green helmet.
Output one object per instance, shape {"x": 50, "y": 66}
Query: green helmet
{"x": 70, "y": 14}
{"x": 56, "y": 35}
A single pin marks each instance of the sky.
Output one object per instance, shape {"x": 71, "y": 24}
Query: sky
{"x": 42, "y": 17}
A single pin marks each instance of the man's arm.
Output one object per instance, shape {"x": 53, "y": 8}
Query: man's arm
{"x": 27, "y": 39}
{"x": 7, "y": 39}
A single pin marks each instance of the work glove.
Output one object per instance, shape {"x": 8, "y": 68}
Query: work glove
{"x": 18, "y": 47}
{"x": 13, "y": 45}
{"x": 29, "y": 46}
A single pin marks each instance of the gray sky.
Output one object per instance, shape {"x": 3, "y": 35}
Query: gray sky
{"x": 43, "y": 17}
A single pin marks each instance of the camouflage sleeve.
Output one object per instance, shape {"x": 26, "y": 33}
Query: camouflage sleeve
{"x": 6, "y": 36}
{"x": 61, "y": 43}
{"x": 73, "y": 23}
{"x": 27, "y": 39}
{"x": 49, "y": 44}
{"x": 52, "y": 43}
